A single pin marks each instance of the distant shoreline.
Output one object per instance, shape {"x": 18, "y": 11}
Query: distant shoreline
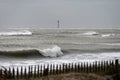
{"x": 55, "y": 28}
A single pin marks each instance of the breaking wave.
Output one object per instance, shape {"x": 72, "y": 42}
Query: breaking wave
{"x": 15, "y": 33}
{"x": 90, "y": 33}
{"x": 52, "y": 52}
{"x": 107, "y": 35}
{"x": 49, "y": 52}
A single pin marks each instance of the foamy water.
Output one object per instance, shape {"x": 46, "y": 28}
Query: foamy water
{"x": 71, "y": 58}
{"x": 55, "y": 51}
{"x": 57, "y": 46}
{"x": 90, "y": 33}
{"x": 15, "y": 33}
{"x": 107, "y": 35}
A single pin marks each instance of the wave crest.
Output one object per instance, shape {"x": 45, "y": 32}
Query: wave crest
{"x": 49, "y": 52}
{"x": 107, "y": 35}
{"x": 15, "y": 33}
{"x": 52, "y": 52}
{"x": 91, "y": 33}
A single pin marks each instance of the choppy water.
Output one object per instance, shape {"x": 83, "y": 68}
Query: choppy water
{"x": 58, "y": 45}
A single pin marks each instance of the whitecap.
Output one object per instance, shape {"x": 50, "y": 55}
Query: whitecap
{"x": 55, "y": 51}
{"x": 107, "y": 35}
{"x": 15, "y": 33}
{"x": 90, "y": 33}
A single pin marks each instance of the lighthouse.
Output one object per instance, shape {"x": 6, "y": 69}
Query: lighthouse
{"x": 58, "y": 24}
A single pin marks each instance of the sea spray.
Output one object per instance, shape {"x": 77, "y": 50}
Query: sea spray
{"x": 55, "y": 51}
{"x": 15, "y": 33}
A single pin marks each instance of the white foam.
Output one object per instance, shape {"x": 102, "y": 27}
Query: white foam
{"x": 91, "y": 33}
{"x": 107, "y": 35}
{"x": 14, "y": 33}
{"x": 71, "y": 58}
{"x": 52, "y": 52}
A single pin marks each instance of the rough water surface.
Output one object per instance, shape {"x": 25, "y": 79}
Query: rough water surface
{"x": 19, "y": 47}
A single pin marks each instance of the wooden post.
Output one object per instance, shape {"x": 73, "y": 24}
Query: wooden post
{"x": 66, "y": 68}
{"x": 112, "y": 66}
{"x": 45, "y": 73}
{"x": 35, "y": 71}
{"x": 1, "y": 76}
{"x": 38, "y": 71}
{"x": 102, "y": 67}
{"x": 9, "y": 73}
{"x": 93, "y": 67}
{"x": 117, "y": 74}
{"x": 31, "y": 71}
{"x": 75, "y": 67}
{"x": 72, "y": 68}
{"x": 41, "y": 71}
{"x": 21, "y": 73}
{"x": 98, "y": 70}
{"x": 107, "y": 66}
{"x": 51, "y": 69}
{"x": 96, "y": 66}
{"x": 13, "y": 73}
{"x": 48, "y": 69}
{"x": 25, "y": 73}
{"x": 78, "y": 67}
{"x": 60, "y": 70}
{"x": 90, "y": 68}
{"x": 87, "y": 70}
{"x": 63, "y": 68}
{"x": 81, "y": 66}
{"x": 57, "y": 69}
{"x": 69, "y": 67}
{"x": 17, "y": 73}
{"x": 84, "y": 67}
{"x": 5, "y": 74}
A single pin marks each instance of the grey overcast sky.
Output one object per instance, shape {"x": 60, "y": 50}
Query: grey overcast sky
{"x": 71, "y": 13}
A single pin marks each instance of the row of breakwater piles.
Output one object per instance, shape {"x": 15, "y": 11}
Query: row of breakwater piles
{"x": 111, "y": 67}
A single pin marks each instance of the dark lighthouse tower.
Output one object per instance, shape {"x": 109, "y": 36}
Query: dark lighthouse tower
{"x": 58, "y": 24}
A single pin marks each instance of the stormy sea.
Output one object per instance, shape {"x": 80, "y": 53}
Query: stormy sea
{"x": 23, "y": 47}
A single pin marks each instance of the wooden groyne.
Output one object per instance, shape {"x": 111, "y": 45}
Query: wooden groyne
{"x": 111, "y": 67}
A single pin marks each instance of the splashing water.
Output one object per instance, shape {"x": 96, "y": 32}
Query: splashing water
{"x": 55, "y": 51}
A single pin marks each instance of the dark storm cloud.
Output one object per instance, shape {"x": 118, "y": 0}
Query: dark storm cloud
{"x": 72, "y": 13}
